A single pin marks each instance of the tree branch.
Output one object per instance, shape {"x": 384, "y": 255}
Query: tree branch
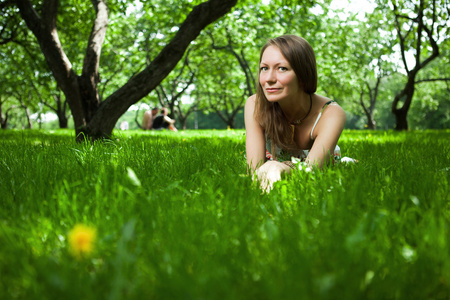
{"x": 432, "y": 79}
{"x": 143, "y": 83}
{"x": 49, "y": 14}
{"x": 361, "y": 101}
{"x": 373, "y": 99}
{"x": 58, "y": 62}
{"x": 401, "y": 37}
{"x": 90, "y": 77}
{"x": 434, "y": 45}
{"x": 162, "y": 96}
{"x": 96, "y": 38}
{"x": 191, "y": 80}
{"x": 419, "y": 33}
{"x": 241, "y": 60}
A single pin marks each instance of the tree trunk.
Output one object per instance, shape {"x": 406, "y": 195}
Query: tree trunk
{"x": 3, "y": 120}
{"x": 93, "y": 118}
{"x": 228, "y": 119}
{"x": 5, "y": 116}
{"x": 371, "y": 124}
{"x": 136, "y": 119}
{"x": 419, "y": 27}
{"x": 231, "y": 123}
{"x": 401, "y": 121}
{"x": 182, "y": 117}
{"x": 183, "y": 122}
{"x": 63, "y": 121}
{"x": 60, "y": 111}
{"x": 29, "y": 124}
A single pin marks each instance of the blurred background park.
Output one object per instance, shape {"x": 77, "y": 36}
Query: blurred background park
{"x": 385, "y": 61}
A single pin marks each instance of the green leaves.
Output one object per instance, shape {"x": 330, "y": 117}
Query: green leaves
{"x": 352, "y": 51}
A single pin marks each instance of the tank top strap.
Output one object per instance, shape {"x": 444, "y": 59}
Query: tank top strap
{"x": 318, "y": 117}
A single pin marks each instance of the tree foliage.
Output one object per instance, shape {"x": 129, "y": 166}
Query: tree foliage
{"x": 93, "y": 116}
{"x": 420, "y": 26}
{"x": 374, "y": 65}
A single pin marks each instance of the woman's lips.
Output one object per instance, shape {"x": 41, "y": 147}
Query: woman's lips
{"x": 272, "y": 90}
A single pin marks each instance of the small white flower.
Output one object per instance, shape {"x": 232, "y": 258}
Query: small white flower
{"x": 295, "y": 160}
{"x": 348, "y": 160}
{"x": 302, "y": 166}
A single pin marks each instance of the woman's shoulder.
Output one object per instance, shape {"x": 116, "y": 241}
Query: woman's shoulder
{"x": 331, "y": 118}
{"x": 250, "y": 103}
{"x": 251, "y": 99}
{"x": 329, "y": 106}
{"x": 331, "y": 114}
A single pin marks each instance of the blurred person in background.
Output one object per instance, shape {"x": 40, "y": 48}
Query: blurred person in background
{"x": 162, "y": 121}
{"x": 149, "y": 118}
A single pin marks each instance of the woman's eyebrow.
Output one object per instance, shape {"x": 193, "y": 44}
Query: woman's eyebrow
{"x": 275, "y": 64}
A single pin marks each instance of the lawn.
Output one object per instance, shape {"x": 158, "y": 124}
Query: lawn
{"x": 163, "y": 215}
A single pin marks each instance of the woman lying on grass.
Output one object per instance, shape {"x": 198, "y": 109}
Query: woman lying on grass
{"x": 286, "y": 122}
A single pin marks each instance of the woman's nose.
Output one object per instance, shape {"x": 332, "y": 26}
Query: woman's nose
{"x": 271, "y": 76}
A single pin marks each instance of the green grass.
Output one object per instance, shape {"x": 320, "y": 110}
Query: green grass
{"x": 191, "y": 224}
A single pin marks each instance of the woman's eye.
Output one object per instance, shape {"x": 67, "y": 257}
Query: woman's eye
{"x": 283, "y": 69}
{"x": 263, "y": 69}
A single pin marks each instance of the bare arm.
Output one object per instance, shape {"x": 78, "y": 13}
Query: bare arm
{"x": 169, "y": 120}
{"x": 327, "y": 133}
{"x": 254, "y": 137}
{"x": 266, "y": 172}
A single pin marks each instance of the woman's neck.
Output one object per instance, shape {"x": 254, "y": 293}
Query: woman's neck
{"x": 296, "y": 108}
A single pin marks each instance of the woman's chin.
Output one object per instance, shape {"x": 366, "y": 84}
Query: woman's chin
{"x": 273, "y": 98}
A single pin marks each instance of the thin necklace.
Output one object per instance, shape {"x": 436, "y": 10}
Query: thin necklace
{"x": 298, "y": 121}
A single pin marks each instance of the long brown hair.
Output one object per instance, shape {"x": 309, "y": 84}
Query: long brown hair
{"x": 300, "y": 55}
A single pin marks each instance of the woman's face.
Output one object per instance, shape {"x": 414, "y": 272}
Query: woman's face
{"x": 277, "y": 78}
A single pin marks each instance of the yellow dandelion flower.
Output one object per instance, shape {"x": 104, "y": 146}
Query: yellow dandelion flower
{"x": 81, "y": 240}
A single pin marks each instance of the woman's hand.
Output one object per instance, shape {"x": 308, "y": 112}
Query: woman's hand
{"x": 269, "y": 173}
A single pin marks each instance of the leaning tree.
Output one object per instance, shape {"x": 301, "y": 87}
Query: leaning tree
{"x": 422, "y": 26}
{"x": 93, "y": 117}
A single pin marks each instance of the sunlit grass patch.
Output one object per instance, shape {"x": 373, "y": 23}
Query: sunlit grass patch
{"x": 176, "y": 216}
